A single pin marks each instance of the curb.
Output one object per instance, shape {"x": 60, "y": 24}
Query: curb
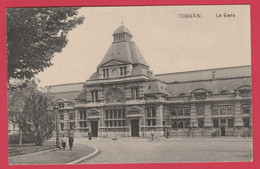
{"x": 85, "y": 157}
{"x": 39, "y": 152}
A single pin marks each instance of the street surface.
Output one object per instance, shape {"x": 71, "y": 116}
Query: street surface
{"x": 139, "y": 150}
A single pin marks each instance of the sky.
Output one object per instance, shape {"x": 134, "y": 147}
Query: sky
{"x": 168, "y": 42}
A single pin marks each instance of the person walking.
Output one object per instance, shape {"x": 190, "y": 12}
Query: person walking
{"x": 152, "y": 134}
{"x": 89, "y": 135}
{"x": 63, "y": 142}
{"x": 71, "y": 140}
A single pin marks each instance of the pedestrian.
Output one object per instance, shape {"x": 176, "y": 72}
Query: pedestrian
{"x": 63, "y": 142}
{"x": 71, "y": 140}
{"x": 89, "y": 135}
{"x": 152, "y": 134}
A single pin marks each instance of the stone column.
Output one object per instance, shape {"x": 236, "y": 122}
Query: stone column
{"x": 238, "y": 122}
{"x": 207, "y": 120}
{"x": 193, "y": 115}
{"x": 207, "y": 115}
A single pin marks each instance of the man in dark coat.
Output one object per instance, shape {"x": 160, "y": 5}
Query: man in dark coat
{"x": 71, "y": 140}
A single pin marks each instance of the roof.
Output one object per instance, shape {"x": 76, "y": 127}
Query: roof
{"x": 69, "y": 95}
{"x": 227, "y": 72}
{"x": 126, "y": 52}
{"x": 122, "y": 29}
{"x": 214, "y": 86}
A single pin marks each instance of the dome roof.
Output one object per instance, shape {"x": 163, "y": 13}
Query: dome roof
{"x": 122, "y": 29}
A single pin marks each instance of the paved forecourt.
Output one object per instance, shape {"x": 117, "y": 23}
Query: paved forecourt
{"x": 169, "y": 151}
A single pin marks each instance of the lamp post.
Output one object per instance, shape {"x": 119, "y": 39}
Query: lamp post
{"x": 192, "y": 129}
{"x": 56, "y": 111}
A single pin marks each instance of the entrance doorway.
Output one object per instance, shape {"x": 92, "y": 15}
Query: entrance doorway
{"x": 222, "y": 131}
{"x": 94, "y": 128}
{"x": 135, "y": 128}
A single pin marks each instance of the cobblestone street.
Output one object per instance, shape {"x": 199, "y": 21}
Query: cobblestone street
{"x": 169, "y": 151}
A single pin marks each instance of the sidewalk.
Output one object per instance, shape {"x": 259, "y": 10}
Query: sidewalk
{"x": 55, "y": 157}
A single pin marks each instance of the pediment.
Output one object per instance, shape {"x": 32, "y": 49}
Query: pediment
{"x": 113, "y": 63}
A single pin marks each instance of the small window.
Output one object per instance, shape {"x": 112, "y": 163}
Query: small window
{"x": 223, "y": 92}
{"x": 246, "y": 109}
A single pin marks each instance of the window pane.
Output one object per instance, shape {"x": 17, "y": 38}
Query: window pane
{"x": 230, "y": 122}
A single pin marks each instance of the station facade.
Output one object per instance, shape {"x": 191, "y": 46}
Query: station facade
{"x": 123, "y": 96}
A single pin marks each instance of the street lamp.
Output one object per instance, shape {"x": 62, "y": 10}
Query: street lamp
{"x": 56, "y": 111}
{"x": 192, "y": 129}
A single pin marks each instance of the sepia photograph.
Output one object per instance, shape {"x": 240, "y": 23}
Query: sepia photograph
{"x": 129, "y": 84}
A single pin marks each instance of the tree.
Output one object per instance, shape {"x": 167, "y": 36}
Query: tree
{"x": 34, "y": 35}
{"x": 37, "y": 121}
{"x": 28, "y": 107}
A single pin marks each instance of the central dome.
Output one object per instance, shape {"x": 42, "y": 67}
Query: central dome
{"x": 122, "y": 29}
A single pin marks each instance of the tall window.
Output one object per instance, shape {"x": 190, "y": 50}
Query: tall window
{"x": 181, "y": 123}
{"x": 230, "y": 110}
{"x": 230, "y": 123}
{"x": 61, "y": 105}
{"x": 151, "y": 116}
{"x": 245, "y": 93}
{"x": 201, "y": 123}
{"x": 61, "y": 117}
{"x": 83, "y": 124}
{"x": 135, "y": 92}
{"x": 200, "y": 96}
{"x": 215, "y": 123}
{"x": 123, "y": 71}
{"x": 105, "y": 73}
{"x": 115, "y": 117}
{"x": 223, "y": 110}
{"x": 246, "y": 122}
{"x": 61, "y": 126}
{"x": 94, "y": 96}
{"x": 82, "y": 115}
{"x": 71, "y": 124}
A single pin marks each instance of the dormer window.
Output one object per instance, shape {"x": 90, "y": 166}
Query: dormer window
{"x": 200, "y": 96}
{"x": 135, "y": 92}
{"x": 94, "y": 96}
{"x": 105, "y": 73}
{"x": 123, "y": 71}
{"x": 245, "y": 93}
{"x": 61, "y": 105}
{"x": 223, "y": 92}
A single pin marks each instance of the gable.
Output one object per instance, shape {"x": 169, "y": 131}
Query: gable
{"x": 113, "y": 63}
